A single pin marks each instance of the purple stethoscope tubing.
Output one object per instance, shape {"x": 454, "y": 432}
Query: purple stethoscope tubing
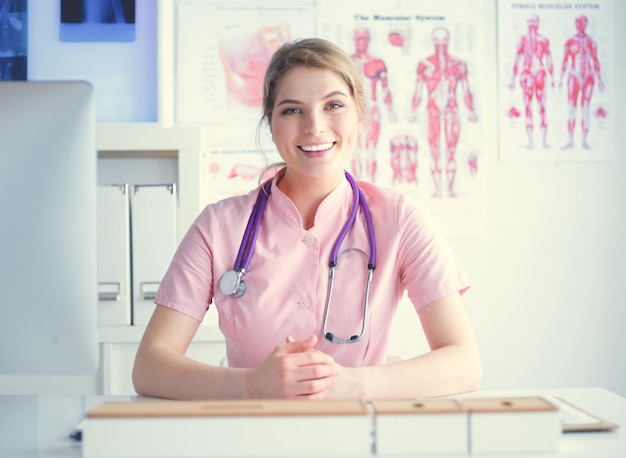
{"x": 358, "y": 201}
{"x": 252, "y": 229}
{"x": 231, "y": 282}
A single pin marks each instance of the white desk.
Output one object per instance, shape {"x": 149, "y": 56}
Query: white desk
{"x": 39, "y": 426}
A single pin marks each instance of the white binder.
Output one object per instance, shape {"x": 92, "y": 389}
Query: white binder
{"x": 114, "y": 303}
{"x": 153, "y": 241}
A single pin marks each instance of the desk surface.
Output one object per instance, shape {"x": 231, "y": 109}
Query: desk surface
{"x": 39, "y": 426}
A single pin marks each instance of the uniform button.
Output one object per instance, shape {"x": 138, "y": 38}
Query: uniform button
{"x": 309, "y": 239}
{"x": 304, "y": 303}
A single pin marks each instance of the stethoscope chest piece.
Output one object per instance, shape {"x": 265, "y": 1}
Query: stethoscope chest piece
{"x": 232, "y": 284}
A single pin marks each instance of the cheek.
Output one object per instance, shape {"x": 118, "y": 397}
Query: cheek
{"x": 275, "y": 128}
{"x": 282, "y": 132}
{"x": 351, "y": 128}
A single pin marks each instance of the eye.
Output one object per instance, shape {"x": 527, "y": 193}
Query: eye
{"x": 290, "y": 110}
{"x": 335, "y": 105}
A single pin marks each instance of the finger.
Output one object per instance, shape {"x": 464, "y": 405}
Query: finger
{"x": 313, "y": 388}
{"x": 315, "y": 372}
{"x": 297, "y": 346}
{"x": 311, "y": 365}
{"x": 290, "y": 339}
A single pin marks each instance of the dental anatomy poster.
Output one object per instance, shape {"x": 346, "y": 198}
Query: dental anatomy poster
{"x": 556, "y": 80}
{"x": 422, "y": 65}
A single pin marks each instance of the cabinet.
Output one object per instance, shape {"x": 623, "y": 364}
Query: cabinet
{"x": 180, "y": 152}
{"x": 183, "y": 144}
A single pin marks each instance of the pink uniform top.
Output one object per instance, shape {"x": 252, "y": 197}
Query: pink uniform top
{"x": 287, "y": 279}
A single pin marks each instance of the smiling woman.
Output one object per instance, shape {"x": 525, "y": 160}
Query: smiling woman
{"x": 315, "y": 126}
{"x": 309, "y": 238}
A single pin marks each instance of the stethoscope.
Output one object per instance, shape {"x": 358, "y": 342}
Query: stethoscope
{"x": 232, "y": 283}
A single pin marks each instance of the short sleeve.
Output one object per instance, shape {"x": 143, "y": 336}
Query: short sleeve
{"x": 429, "y": 268}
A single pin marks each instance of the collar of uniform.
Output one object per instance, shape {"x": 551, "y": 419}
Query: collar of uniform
{"x": 341, "y": 195}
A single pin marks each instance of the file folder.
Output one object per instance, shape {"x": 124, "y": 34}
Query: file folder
{"x": 153, "y": 242}
{"x": 114, "y": 302}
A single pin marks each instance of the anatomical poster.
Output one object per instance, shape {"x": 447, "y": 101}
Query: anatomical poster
{"x": 556, "y": 82}
{"x": 422, "y": 64}
{"x": 13, "y": 40}
{"x": 222, "y": 50}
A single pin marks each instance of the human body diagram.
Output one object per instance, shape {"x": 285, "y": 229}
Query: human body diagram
{"x": 441, "y": 75}
{"x": 580, "y": 71}
{"x": 581, "y": 64}
{"x": 374, "y": 73}
{"x": 534, "y": 55}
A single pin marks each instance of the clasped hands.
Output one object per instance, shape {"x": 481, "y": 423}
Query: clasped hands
{"x": 295, "y": 370}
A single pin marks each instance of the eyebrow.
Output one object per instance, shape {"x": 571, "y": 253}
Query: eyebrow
{"x": 327, "y": 96}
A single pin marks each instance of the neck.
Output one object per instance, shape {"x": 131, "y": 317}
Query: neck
{"x": 307, "y": 193}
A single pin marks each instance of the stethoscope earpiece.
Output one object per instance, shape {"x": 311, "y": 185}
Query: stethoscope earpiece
{"x": 334, "y": 339}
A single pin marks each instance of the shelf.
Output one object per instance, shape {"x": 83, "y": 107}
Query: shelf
{"x": 133, "y": 334}
{"x": 147, "y": 137}
{"x": 186, "y": 144}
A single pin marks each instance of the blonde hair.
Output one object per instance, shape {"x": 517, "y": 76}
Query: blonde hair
{"x": 312, "y": 53}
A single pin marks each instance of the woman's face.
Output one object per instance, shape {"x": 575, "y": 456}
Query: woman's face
{"x": 315, "y": 122}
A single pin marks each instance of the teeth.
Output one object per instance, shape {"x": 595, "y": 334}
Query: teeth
{"x": 319, "y": 147}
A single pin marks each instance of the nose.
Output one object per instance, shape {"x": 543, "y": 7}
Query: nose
{"x": 314, "y": 123}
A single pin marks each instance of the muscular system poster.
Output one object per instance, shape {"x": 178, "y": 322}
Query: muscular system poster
{"x": 421, "y": 63}
{"x": 556, "y": 80}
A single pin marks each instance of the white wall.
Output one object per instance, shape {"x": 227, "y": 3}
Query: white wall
{"x": 546, "y": 301}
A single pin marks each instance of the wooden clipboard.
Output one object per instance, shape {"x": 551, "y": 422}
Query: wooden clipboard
{"x": 227, "y": 408}
{"x": 577, "y": 420}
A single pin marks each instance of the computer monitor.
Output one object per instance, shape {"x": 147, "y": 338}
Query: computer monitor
{"x": 48, "y": 244}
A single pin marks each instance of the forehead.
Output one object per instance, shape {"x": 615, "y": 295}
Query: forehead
{"x": 308, "y": 81}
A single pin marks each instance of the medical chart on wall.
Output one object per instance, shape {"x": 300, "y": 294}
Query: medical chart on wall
{"x": 422, "y": 63}
{"x": 124, "y": 72}
{"x": 223, "y": 49}
{"x": 13, "y": 40}
{"x": 556, "y": 81}
{"x": 97, "y": 21}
